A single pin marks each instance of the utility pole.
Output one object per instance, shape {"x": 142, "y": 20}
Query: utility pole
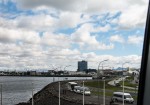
{"x": 98, "y": 75}
{"x": 65, "y": 69}
{"x": 1, "y": 94}
{"x": 83, "y": 92}
{"x": 32, "y": 94}
{"x": 123, "y": 82}
{"x": 104, "y": 94}
{"x": 59, "y": 92}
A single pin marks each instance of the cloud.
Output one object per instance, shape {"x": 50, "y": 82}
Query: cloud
{"x": 135, "y": 39}
{"x": 68, "y": 20}
{"x": 37, "y": 39}
{"x": 117, "y": 38}
{"x": 56, "y": 40}
{"x": 34, "y": 57}
{"x": 77, "y": 5}
{"x": 12, "y": 36}
{"x": 83, "y": 37}
{"x": 132, "y": 17}
{"x": 41, "y": 22}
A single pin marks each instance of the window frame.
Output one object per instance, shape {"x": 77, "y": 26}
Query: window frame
{"x": 143, "y": 91}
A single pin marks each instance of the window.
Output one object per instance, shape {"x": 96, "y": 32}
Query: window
{"x": 97, "y": 44}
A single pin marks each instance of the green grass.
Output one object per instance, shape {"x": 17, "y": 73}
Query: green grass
{"x": 130, "y": 78}
{"x": 101, "y": 93}
{"x": 107, "y": 86}
{"x": 127, "y": 83}
{"x": 101, "y": 83}
{"x": 109, "y": 89}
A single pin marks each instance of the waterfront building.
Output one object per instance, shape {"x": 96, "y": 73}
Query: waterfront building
{"x": 82, "y": 65}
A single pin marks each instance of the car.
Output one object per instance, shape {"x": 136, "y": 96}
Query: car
{"x": 71, "y": 85}
{"x": 118, "y": 97}
{"x": 77, "y": 89}
{"x": 117, "y": 84}
{"x": 85, "y": 90}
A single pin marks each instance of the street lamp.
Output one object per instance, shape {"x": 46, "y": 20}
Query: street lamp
{"x": 83, "y": 92}
{"x": 1, "y": 94}
{"x": 32, "y": 95}
{"x": 59, "y": 91}
{"x": 99, "y": 66}
{"x": 98, "y": 74}
{"x": 66, "y": 67}
{"x": 123, "y": 81}
{"x": 104, "y": 93}
{"x": 54, "y": 70}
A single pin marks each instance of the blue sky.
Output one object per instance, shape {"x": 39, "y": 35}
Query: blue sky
{"x": 63, "y": 32}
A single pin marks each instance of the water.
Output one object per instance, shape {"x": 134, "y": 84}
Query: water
{"x": 19, "y": 89}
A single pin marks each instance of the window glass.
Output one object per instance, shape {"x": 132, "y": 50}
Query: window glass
{"x": 96, "y": 43}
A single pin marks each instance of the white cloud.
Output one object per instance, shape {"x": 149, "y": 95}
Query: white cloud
{"x": 113, "y": 61}
{"x": 20, "y": 36}
{"x": 40, "y": 22}
{"x": 132, "y": 17}
{"x": 12, "y": 36}
{"x": 135, "y": 39}
{"x": 32, "y": 56}
{"x": 83, "y": 37}
{"x": 117, "y": 38}
{"x": 58, "y": 40}
{"x": 68, "y": 20}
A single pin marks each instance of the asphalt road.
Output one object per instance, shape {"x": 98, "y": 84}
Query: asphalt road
{"x": 92, "y": 99}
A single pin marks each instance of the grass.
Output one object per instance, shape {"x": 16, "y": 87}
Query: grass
{"x": 101, "y": 83}
{"x": 101, "y": 93}
{"x": 130, "y": 78}
{"x": 109, "y": 89}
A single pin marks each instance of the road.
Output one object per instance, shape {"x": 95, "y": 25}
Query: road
{"x": 89, "y": 99}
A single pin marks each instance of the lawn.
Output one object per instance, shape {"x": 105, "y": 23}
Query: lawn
{"x": 101, "y": 83}
{"x": 109, "y": 89}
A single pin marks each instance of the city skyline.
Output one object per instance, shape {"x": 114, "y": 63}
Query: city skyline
{"x": 37, "y": 34}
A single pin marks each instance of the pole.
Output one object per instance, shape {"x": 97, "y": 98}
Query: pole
{"x": 104, "y": 94}
{"x": 123, "y": 82}
{"x": 98, "y": 74}
{"x": 53, "y": 78}
{"x": 1, "y": 94}
{"x": 59, "y": 92}
{"x": 83, "y": 92}
{"x": 65, "y": 68}
{"x": 32, "y": 95}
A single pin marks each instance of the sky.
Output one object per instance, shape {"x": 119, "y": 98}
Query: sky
{"x": 48, "y": 34}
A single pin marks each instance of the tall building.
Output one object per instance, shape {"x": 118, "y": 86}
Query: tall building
{"x": 82, "y": 65}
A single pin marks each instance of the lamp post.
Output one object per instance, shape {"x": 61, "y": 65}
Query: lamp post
{"x": 66, "y": 67}
{"x": 104, "y": 93}
{"x": 83, "y": 92}
{"x": 59, "y": 92}
{"x": 123, "y": 82}
{"x": 32, "y": 94}
{"x": 1, "y": 94}
{"x": 98, "y": 74}
{"x": 53, "y": 74}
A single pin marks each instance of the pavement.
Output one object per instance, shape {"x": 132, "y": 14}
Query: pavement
{"x": 91, "y": 99}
